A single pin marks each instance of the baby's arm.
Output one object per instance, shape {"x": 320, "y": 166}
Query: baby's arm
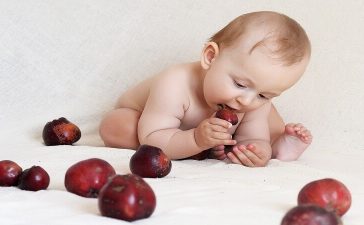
{"x": 161, "y": 118}
{"x": 253, "y": 148}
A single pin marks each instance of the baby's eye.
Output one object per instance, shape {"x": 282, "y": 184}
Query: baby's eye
{"x": 239, "y": 85}
{"x": 262, "y": 96}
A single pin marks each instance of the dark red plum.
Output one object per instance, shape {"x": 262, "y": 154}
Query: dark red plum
{"x": 34, "y": 179}
{"x": 60, "y": 132}
{"x": 9, "y": 173}
{"x": 328, "y": 193}
{"x": 310, "y": 215}
{"x": 227, "y": 115}
{"x": 127, "y": 197}
{"x": 85, "y": 178}
{"x": 150, "y": 161}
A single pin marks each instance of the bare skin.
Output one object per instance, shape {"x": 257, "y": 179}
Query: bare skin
{"x": 119, "y": 128}
{"x": 174, "y": 110}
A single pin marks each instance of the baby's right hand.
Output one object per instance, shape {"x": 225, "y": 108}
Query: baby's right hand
{"x": 212, "y": 132}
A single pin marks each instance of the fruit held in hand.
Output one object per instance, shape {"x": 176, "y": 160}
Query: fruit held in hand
{"x": 310, "y": 215}
{"x": 9, "y": 173}
{"x": 86, "y": 177}
{"x": 150, "y": 161}
{"x": 227, "y": 115}
{"x": 127, "y": 197}
{"x": 61, "y": 132}
{"x": 328, "y": 193}
{"x": 34, "y": 179}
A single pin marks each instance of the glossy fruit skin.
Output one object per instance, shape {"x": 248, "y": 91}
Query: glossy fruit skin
{"x": 127, "y": 197}
{"x": 9, "y": 173}
{"x": 328, "y": 193}
{"x": 85, "y": 178}
{"x": 310, "y": 215}
{"x": 150, "y": 161}
{"x": 34, "y": 179}
{"x": 60, "y": 132}
{"x": 227, "y": 115}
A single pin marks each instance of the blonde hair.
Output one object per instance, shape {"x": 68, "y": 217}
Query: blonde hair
{"x": 288, "y": 42}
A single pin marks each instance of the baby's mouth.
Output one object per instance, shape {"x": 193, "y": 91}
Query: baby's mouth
{"x": 223, "y": 106}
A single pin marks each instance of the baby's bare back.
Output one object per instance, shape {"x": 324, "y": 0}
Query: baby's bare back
{"x": 190, "y": 108}
{"x": 136, "y": 97}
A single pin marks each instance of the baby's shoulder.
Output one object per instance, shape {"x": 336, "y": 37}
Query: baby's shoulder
{"x": 172, "y": 88}
{"x": 175, "y": 77}
{"x": 178, "y": 72}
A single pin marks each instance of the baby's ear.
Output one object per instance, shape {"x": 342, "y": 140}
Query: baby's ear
{"x": 209, "y": 54}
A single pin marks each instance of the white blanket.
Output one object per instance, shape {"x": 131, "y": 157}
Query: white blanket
{"x": 73, "y": 58}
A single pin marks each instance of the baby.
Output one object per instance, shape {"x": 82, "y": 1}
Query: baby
{"x": 252, "y": 60}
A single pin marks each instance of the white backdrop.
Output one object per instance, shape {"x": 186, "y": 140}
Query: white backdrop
{"x": 73, "y": 58}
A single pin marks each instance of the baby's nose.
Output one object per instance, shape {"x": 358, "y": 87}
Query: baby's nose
{"x": 245, "y": 99}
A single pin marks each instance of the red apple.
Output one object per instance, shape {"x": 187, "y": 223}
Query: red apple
{"x": 9, "y": 173}
{"x": 150, "y": 161}
{"x": 86, "y": 178}
{"x": 34, "y": 179}
{"x": 61, "y": 132}
{"x": 127, "y": 197}
{"x": 328, "y": 193}
{"x": 227, "y": 115}
{"x": 310, "y": 215}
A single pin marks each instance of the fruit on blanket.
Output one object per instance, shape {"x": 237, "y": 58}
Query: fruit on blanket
{"x": 150, "y": 161}
{"x": 310, "y": 215}
{"x": 61, "y": 132}
{"x": 9, "y": 173}
{"x": 227, "y": 115}
{"x": 328, "y": 193}
{"x": 86, "y": 177}
{"x": 34, "y": 179}
{"x": 127, "y": 197}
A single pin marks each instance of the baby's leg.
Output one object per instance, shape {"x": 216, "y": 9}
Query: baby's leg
{"x": 288, "y": 141}
{"x": 119, "y": 128}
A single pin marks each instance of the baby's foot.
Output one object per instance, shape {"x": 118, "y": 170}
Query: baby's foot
{"x": 299, "y": 131}
{"x": 292, "y": 143}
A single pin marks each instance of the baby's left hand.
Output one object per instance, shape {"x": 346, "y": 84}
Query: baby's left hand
{"x": 218, "y": 152}
{"x": 249, "y": 155}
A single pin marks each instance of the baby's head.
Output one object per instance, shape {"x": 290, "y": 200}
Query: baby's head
{"x": 284, "y": 39}
{"x": 263, "y": 53}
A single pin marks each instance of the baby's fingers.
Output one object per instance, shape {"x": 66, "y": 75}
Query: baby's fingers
{"x": 220, "y": 122}
{"x": 256, "y": 155}
{"x": 219, "y": 128}
{"x": 237, "y": 156}
{"x": 253, "y": 154}
{"x": 259, "y": 153}
{"x": 221, "y": 135}
{"x": 222, "y": 138}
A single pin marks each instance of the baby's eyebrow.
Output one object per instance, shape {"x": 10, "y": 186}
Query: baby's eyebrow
{"x": 247, "y": 80}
